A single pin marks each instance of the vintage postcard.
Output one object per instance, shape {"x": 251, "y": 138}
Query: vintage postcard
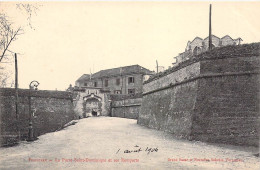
{"x": 129, "y": 85}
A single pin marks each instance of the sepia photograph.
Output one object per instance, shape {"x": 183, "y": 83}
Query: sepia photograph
{"x": 129, "y": 85}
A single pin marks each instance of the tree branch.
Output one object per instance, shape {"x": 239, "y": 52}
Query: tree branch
{"x": 8, "y": 43}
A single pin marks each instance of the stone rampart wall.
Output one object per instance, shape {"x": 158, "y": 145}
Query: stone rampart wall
{"x": 215, "y": 97}
{"x": 126, "y": 108}
{"x": 50, "y": 109}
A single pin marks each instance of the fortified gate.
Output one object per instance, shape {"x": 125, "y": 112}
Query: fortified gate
{"x": 91, "y": 101}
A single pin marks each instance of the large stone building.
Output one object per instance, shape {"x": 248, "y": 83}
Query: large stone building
{"x": 199, "y": 45}
{"x": 93, "y": 91}
{"x": 121, "y": 80}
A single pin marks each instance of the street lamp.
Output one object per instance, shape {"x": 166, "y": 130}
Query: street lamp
{"x": 33, "y": 86}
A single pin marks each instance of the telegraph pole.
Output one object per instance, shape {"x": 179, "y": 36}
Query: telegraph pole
{"x": 156, "y": 66}
{"x": 210, "y": 38}
{"x": 16, "y": 86}
{"x": 16, "y": 96}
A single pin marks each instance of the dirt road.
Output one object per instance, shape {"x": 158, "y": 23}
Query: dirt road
{"x": 117, "y": 143}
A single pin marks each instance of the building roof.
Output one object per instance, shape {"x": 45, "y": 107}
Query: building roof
{"x": 133, "y": 69}
{"x": 227, "y": 37}
{"x": 196, "y": 38}
{"x": 83, "y": 77}
{"x": 231, "y": 38}
{"x": 189, "y": 42}
{"x": 211, "y": 36}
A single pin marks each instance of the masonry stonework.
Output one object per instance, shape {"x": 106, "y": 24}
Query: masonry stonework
{"x": 51, "y": 110}
{"x": 215, "y": 100}
{"x": 83, "y": 108}
{"x": 126, "y": 108}
{"x": 179, "y": 75}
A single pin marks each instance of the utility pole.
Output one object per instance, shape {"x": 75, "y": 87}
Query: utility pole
{"x": 16, "y": 96}
{"x": 90, "y": 74}
{"x": 16, "y": 87}
{"x": 156, "y": 66}
{"x": 124, "y": 96}
{"x": 210, "y": 35}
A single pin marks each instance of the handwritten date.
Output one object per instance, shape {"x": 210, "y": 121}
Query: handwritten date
{"x": 138, "y": 149}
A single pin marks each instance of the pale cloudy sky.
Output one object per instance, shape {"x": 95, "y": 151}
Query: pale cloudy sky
{"x": 70, "y": 38}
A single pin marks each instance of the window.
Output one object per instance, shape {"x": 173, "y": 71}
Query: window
{"x": 106, "y": 83}
{"x": 131, "y": 91}
{"x": 220, "y": 43}
{"x": 118, "y": 81}
{"x": 117, "y": 92}
{"x": 196, "y": 50}
{"x": 131, "y": 80}
{"x": 95, "y": 84}
{"x": 85, "y": 84}
{"x": 146, "y": 77}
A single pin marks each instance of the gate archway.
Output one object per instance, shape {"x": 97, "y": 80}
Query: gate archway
{"x": 92, "y": 105}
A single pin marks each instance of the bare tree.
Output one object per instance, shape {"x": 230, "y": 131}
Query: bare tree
{"x": 4, "y": 77}
{"x": 9, "y": 33}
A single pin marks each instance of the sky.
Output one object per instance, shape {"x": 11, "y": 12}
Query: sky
{"x": 68, "y": 39}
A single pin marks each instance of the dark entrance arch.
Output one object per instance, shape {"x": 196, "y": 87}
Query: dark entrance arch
{"x": 94, "y": 113}
{"x": 92, "y": 106}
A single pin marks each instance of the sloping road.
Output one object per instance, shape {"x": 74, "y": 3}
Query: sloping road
{"x": 101, "y": 143}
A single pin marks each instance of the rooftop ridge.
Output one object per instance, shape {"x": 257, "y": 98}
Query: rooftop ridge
{"x": 212, "y": 36}
{"x": 118, "y": 67}
{"x": 131, "y": 69}
{"x": 196, "y": 38}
